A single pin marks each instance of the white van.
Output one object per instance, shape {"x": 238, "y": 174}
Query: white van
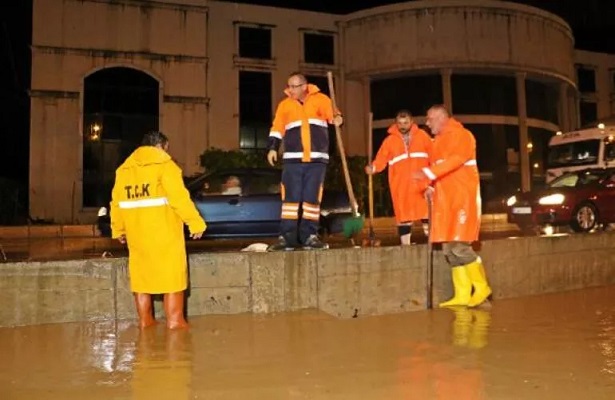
{"x": 582, "y": 149}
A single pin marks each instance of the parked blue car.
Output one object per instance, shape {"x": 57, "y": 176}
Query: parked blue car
{"x": 246, "y": 203}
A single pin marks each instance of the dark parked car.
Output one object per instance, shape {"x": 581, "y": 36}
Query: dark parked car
{"x": 246, "y": 203}
{"x": 582, "y": 200}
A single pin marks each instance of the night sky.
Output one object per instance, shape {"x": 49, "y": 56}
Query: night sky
{"x": 593, "y": 23}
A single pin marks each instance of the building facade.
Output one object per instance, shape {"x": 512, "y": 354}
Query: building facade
{"x": 210, "y": 74}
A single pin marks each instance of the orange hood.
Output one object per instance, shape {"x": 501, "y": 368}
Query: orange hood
{"x": 312, "y": 89}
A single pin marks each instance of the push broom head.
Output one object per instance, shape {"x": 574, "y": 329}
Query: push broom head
{"x": 353, "y": 226}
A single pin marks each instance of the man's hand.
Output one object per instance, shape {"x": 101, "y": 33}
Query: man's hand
{"x": 122, "y": 239}
{"x": 272, "y": 157}
{"x": 338, "y": 120}
{"x": 369, "y": 170}
{"x": 196, "y": 235}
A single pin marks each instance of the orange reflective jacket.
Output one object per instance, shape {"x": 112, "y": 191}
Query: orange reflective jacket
{"x": 403, "y": 161}
{"x": 456, "y": 201}
{"x": 303, "y": 127}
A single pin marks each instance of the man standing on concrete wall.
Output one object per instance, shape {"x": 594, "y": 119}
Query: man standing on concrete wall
{"x": 456, "y": 205}
{"x": 406, "y": 150}
{"x": 148, "y": 209}
{"x": 301, "y": 123}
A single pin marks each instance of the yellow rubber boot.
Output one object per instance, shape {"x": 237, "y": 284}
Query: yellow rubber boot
{"x": 482, "y": 291}
{"x": 462, "y": 286}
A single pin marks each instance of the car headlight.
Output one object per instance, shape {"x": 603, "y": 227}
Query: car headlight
{"x": 551, "y": 200}
{"x": 511, "y": 201}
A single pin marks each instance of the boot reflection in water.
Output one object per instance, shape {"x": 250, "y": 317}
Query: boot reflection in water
{"x": 162, "y": 356}
{"x": 470, "y": 327}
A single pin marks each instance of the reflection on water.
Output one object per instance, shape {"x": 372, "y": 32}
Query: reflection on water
{"x": 470, "y": 327}
{"x": 559, "y": 346}
{"x": 607, "y": 343}
{"x": 163, "y": 365}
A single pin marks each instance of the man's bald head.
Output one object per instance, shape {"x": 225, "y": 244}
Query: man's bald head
{"x": 437, "y": 116}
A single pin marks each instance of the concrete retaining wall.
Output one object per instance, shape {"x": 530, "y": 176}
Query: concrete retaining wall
{"x": 343, "y": 283}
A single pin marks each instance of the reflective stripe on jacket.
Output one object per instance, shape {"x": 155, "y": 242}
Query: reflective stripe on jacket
{"x": 457, "y": 202}
{"x": 303, "y": 127}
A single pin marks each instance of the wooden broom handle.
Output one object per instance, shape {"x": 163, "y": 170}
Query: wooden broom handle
{"x": 340, "y": 145}
{"x": 370, "y": 177}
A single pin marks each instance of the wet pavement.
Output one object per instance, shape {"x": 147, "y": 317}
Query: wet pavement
{"x": 44, "y": 249}
{"x": 558, "y": 346}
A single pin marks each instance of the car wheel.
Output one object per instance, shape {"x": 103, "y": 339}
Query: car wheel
{"x": 584, "y": 218}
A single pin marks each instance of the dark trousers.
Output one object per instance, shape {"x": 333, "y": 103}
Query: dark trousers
{"x": 302, "y": 185}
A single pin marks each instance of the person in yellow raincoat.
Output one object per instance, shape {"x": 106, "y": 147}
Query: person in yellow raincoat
{"x": 148, "y": 208}
{"x": 456, "y": 206}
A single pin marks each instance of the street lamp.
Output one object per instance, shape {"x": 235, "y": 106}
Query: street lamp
{"x": 95, "y": 132}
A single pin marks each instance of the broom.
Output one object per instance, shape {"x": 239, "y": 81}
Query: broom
{"x": 371, "y": 239}
{"x": 354, "y": 224}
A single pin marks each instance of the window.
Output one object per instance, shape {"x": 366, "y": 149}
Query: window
{"x": 320, "y": 81}
{"x": 254, "y": 109}
{"x": 539, "y": 151}
{"x": 413, "y": 93}
{"x": 484, "y": 94}
{"x": 221, "y": 185}
{"x": 263, "y": 183}
{"x": 542, "y": 101}
{"x": 589, "y": 113}
{"x": 318, "y": 48}
{"x": 119, "y": 106}
{"x": 584, "y": 152}
{"x": 609, "y": 150}
{"x": 255, "y": 42}
{"x": 576, "y": 179}
{"x": 586, "y": 79}
{"x": 492, "y": 143}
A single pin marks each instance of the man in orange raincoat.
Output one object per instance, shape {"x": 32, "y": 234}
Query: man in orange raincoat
{"x": 456, "y": 205}
{"x": 406, "y": 150}
{"x": 148, "y": 209}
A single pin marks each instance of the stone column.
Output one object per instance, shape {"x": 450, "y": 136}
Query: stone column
{"x": 564, "y": 111}
{"x": 524, "y": 156}
{"x": 447, "y": 93}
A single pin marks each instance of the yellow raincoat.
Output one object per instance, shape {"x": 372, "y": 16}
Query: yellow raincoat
{"x": 149, "y": 205}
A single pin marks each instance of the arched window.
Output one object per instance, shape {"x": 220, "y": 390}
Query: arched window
{"x": 119, "y": 106}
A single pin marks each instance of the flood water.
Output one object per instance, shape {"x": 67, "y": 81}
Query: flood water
{"x": 559, "y": 346}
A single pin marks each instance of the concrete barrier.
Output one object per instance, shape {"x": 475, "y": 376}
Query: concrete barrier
{"x": 344, "y": 283}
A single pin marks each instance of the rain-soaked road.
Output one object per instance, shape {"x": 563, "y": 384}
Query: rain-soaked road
{"x": 559, "y": 346}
